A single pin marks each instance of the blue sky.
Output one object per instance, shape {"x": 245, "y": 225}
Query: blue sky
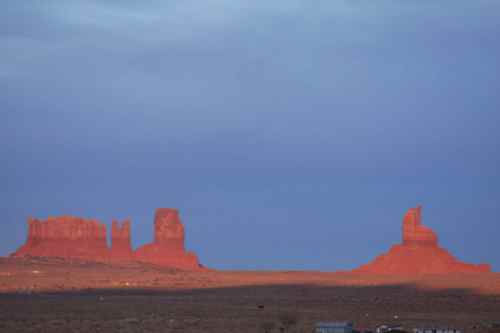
{"x": 290, "y": 134}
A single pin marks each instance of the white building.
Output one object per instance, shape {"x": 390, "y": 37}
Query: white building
{"x": 436, "y": 330}
{"x": 333, "y": 327}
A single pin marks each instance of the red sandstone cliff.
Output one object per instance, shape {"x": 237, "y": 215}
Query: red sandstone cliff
{"x": 121, "y": 248}
{"x": 73, "y": 237}
{"x": 419, "y": 253}
{"x": 67, "y": 237}
{"x": 168, "y": 246}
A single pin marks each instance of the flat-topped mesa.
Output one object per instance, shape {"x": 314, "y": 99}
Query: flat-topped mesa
{"x": 168, "y": 246}
{"x": 121, "y": 248}
{"x": 414, "y": 232}
{"x": 66, "y": 237}
{"x": 419, "y": 253}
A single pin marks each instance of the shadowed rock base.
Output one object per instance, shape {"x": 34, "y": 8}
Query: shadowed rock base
{"x": 419, "y": 253}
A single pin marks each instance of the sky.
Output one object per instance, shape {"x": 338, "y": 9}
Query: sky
{"x": 289, "y": 134}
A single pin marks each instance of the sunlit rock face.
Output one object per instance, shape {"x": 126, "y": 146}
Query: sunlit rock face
{"x": 168, "y": 246}
{"x": 74, "y": 237}
{"x": 66, "y": 237}
{"x": 419, "y": 253}
{"x": 414, "y": 232}
{"x": 169, "y": 231}
{"x": 121, "y": 248}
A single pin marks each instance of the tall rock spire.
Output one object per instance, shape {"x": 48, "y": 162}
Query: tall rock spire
{"x": 121, "y": 248}
{"x": 414, "y": 231}
{"x": 169, "y": 231}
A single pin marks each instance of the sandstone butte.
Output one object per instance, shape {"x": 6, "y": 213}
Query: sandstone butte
{"x": 418, "y": 253}
{"x": 77, "y": 238}
{"x": 167, "y": 249}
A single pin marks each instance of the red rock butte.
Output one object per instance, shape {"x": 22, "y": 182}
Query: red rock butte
{"x": 167, "y": 249}
{"x": 73, "y": 237}
{"x": 419, "y": 253}
{"x": 65, "y": 236}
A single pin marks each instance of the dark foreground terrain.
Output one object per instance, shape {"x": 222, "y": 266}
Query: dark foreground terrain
{"x": 39, "y": 296}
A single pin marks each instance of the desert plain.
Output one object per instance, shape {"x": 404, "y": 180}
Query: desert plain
{"x": 60, "y": 295}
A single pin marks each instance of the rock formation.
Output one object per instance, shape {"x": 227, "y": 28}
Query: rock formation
{"x": 73, "y": 237}
{"x": 121, "y": 248}
{"x": 168, "y": 246}
{"x": 169, "y": 231}
{"x": 414, "y": 232}
{"x": 67, "y": 237}
{"x": 419, "y": 253}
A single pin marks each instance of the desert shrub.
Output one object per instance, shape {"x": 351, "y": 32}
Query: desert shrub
{"x": 267, "y": 326}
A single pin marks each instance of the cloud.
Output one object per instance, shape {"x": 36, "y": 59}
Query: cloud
{"x": 217, "y": 66}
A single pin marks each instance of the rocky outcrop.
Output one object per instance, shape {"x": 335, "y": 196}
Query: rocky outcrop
{"x": 167, "y": 249}
{"x": 419, "y": 253}
{"x": 169, "y": 231}
{"x": 121, "y": 248}
{"x": 414, "y": 232}
{"x": 67, "y": 237}
{"x": 74, "y": 237}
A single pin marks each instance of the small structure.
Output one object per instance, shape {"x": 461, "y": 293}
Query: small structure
{"x": 436, "y": 330}
{"x": 490, "y": 327}
{"x": 389, "y": 328}
{"x": 333, "y": 327}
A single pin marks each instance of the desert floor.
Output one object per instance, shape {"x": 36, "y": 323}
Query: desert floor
{"x": 41, "y": 295}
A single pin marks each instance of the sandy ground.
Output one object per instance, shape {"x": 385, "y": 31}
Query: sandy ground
{"x": 41, "y": 295}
